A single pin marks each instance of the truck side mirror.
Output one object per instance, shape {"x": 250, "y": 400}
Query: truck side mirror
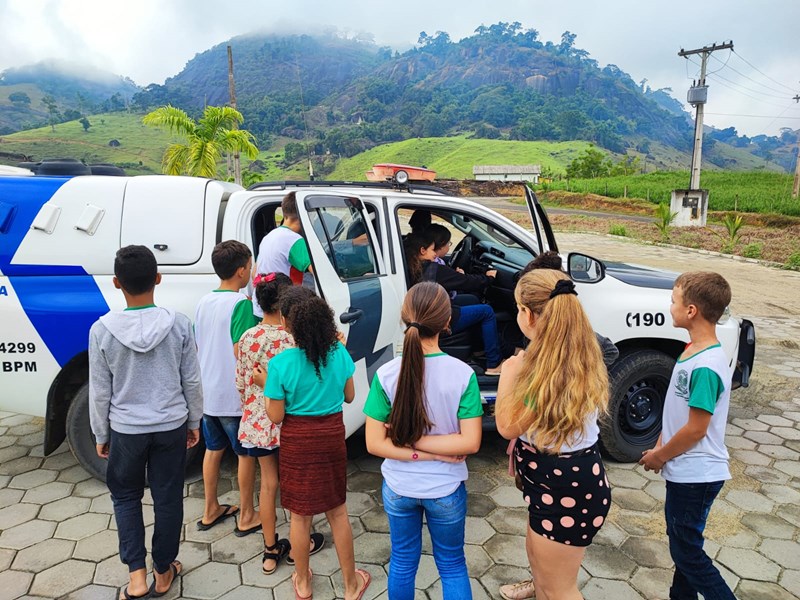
{"x": 585, "y": 269}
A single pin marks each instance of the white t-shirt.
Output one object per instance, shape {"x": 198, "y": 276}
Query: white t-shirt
{"x": 282, "y": 251}
{"x": 700, "y": 381}
{"x": 451, "y": 394}
{"x": 213, "y": 327}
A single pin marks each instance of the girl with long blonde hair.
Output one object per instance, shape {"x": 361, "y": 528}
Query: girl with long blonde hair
{"x": 550, "y": 397}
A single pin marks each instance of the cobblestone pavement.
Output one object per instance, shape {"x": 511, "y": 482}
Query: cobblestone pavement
{"x": 58, "y": 538}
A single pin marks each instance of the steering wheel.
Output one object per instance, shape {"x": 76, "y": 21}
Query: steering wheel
{"x": 462, "y": 257}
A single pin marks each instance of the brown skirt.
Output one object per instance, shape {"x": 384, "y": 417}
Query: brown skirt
{"x": 312, "y": 463}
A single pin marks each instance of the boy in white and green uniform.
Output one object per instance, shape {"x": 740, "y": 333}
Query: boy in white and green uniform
{"x": 691, "y": 451}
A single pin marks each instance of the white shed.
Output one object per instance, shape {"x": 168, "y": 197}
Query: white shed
{"x": 507, "y": 172}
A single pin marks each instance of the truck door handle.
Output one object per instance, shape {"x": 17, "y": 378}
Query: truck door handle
{"x": 353, "y": 315}
{"x": 161, "y": 247}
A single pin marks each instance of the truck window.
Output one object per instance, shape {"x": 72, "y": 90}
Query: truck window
{"x": 343, "y": 235}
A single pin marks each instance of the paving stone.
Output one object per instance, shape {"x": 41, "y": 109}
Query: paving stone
{"x": 192, "y": 534}
{"x": 369, "y": 463}
{"x": 16, "y": 514}
{"x": 82, "y": 526}
{"x": 655, "y": 489}
{"x": 252, "y": 574}
{"x": 97, "y": 547}
{"x": 763, "y": 437}
{"x": 501, "y": 575}
{"x": 748, "y": 564}
{"x": 652, "y": 583}
{"x": 749, "y": 501}
{"x": 739, "y": 442}
{"x": 790, "y": 580}
{"x": 507, "y": 550}
{"x": 244, "y": 592}
{"x": 10, "y": 497}
{"x": 373, "y": 548}
{"x": 478, "y": 531}
{"x": 478, "y": 560}
{"x": 63, "y": 578}
{"x": 14, "y": 584}
{"x": 49, "y": 492}
{"x": 610, "y": 534}
{"x": 480, "y": 505}
{"x": 27, "y": 534}
{"x": 732, "y": 429}
{"x": 478, "y": 592}
{"x": 781, "y": 452}
{"x": 481, "y": 483}
{"x": 634, "y": 499}
{"x": 791, "y": 468}
{"x": 758, "y": 590}
{"x": 212, "y": 580}
{"x": 91, "y": 488}
{"x": 620, "y": 478}
{"x": 636, "y": 523}
{"x": 111, "y": 572}
{"x": 508, "y": 496}
{"x": 787, "y": 433}
{"x": 358, "y": 503}
{"x": 752, "y": 457}
{"x": 647, "y": 552}
{"x": 31, "y": 479}
{"x": 740, "y": 538}
{"x": 509, "y": 520}
{"x": 321, "y": 587}
{"x": 376, "y": 520}
{"x": 73, "y": 474}
{"x": 324, "y": 528}
{"x": 791, "y": 513}
{"x": 19, "y": 465}
{"x": 6, "y": 557}
{"x": 94, "y": 592}
{"x": 4, "y": 479}
{"x": 769, "y": 526}
{"x": 766, "y": 474}
{"x": 364, "y": 481}
{"x": 103, "y": 504}
{"x": 23, "y": 430}
{"x": 780, "y": 494}
{"x": 232, "y": 549}
{"x": 63, "y": 509}
{"x": 609, "y": 589}
{"x": 43, "y": 555}
{"x": 57, "y": 462}
{"x": 783, "y": 552}
{"x": 7, "y": 441}
{"x": 193, "y": 554}
{"x": 604, "y": 561}
{"x": 16, "y": 419}
{"x": 775, "y": 420}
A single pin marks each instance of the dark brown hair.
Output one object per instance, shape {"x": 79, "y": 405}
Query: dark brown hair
{"x": 546, "y": 260}
{"x": 413, "y": 244}
{"x": 228, "y": 257}
{"x": 310, "y": 321}
{"x": 707, "y": 290}
{"x": 426, "y": 312}
{"x": 268, "y": 293}
{"x": 136, "y": 269}
{"x": 289, "y": 206}
{"x": 441, "y": 235}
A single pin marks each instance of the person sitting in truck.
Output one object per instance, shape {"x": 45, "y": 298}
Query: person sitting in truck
{"x": 420, "y": 254}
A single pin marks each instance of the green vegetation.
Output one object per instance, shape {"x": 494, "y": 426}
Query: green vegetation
{"x": 203, "y": 141}
{"x": 747, "y": 192}
{"x": 618, "y": 229}
{"x": 664, "y": 219}
{"x": 454, "y": 157}
{"x": 793, "y": 262}
{"x": 753, "y": 250}
{"x": 733, "y": 224}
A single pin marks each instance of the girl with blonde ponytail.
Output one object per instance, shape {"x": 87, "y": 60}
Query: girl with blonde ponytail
{"x": 550, "y": 397}
{"x": 423, "y": 417}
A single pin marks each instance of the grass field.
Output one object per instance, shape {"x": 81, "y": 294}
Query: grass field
{"x": 454, "y": 157}
{"x": 758, "y": 192}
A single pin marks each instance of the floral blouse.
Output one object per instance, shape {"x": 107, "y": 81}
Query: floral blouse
{"x": 258, "y": 344}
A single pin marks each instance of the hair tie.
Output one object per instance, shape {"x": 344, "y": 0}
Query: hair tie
{"x": 412, "y": 324}
{"x": 263, "y": 278}
{"x": 564, "y": 286}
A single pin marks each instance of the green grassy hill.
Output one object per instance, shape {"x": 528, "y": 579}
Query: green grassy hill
{"x": 454, "y": 157}
{"x": 140, "y": 148}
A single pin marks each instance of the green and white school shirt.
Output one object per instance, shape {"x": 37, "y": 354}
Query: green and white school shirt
{"x": 451, "y": 394}
{"x": 702, "y": 381}
{"x": 221, "y": 318}
{"x": 282, "y": 251}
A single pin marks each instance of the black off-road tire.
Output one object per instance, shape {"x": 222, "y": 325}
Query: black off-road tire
{"x": 639, "y": 383}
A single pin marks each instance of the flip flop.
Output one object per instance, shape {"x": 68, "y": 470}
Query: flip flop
{"x": 177, "y": 568}
{"x": 243, "y": 532}
{"x": 226, "y": 514}
{"x": 367, "y": 579}
{"x": 127, "y": 595}
{"x": 297, "y": 595}
{"x": 318, "y": 541}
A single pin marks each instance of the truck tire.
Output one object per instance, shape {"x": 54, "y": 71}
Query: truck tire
{"x": 82, "y": 442}
{"x": 639, "y": 383}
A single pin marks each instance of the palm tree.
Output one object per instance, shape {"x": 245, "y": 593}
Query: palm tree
{"x": 207, "y": 139}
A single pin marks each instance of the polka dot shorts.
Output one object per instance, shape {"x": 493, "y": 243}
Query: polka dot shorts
{"x": 567, "y": 494}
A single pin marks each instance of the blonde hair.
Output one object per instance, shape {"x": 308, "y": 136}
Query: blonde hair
{"x": 563, "y": 381}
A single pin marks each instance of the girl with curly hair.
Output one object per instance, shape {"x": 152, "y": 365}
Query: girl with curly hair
{"x": 305, "y": 389}
{"x": 550, "y": 396}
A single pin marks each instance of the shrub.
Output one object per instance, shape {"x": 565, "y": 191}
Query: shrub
{"x": 732, "y": 225}
{"x": 793, "y": 262}
{"x": 752, "y": 250}
{"x": 618, "y": 229}
{"x": 664, "y": 219}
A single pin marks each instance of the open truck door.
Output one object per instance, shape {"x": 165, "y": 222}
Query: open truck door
{"x": 540, "y": 222}
{"x": 353, "y": 279}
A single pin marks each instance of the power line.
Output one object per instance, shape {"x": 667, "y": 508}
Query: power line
{"x": 752, "y": 116}
{"x": 739, "y": 91}
{"x": 747, "y": 62}
{"x": 751, "y": 79}
{"x": 717, "y": 76}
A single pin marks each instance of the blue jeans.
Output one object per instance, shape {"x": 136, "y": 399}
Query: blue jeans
{"x": 686, "y": 510}
{"x": 221, "y": 432}
{"x": 162, "y": 456}
{"x": 446, "y": 519}
{"x": 483, "y": 314}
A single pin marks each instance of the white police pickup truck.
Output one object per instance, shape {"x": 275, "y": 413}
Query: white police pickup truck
{"x": 58, "y": 236}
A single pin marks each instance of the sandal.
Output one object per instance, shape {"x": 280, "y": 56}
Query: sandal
{"x": 177, "y": 568}
{"x": 317, "y": 543}
{"x": 128, "y": 596}
{"x": 276, "y": 553}
{"x": 367, "y": 579}
{"x": 297, "y": 595}
{"x": 228, "y": 511}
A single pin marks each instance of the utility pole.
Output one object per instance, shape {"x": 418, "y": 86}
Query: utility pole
{"x": 237, "y": 169}
{"x": 796, "y": 187}
{"x": 698, "y": 95}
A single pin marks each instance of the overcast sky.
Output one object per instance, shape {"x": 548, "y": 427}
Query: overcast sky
{"x": 150, "y": 40}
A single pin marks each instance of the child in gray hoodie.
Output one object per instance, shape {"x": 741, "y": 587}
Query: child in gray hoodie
{"x": 145, "y": 403}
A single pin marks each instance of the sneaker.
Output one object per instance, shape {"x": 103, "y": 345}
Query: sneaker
{"x": 523, "y": 590}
